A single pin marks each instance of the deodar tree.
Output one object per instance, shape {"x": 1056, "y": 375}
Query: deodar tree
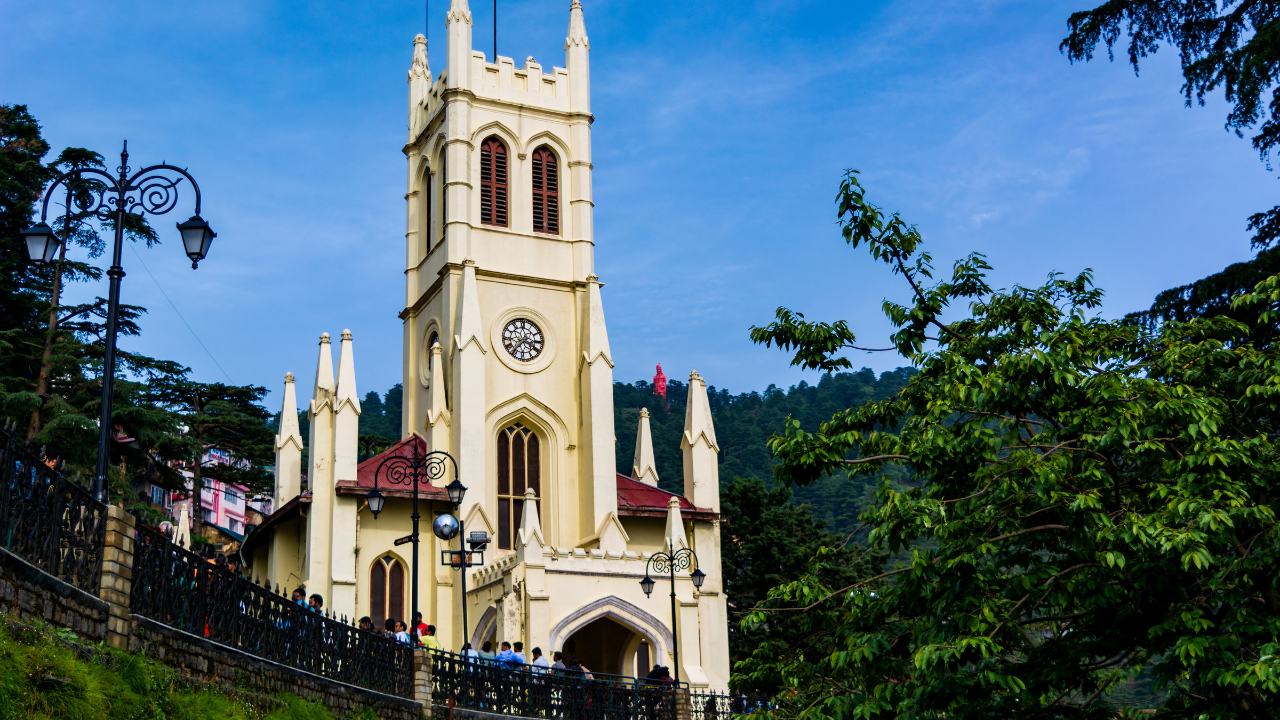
{"x": 1091, "y": 498}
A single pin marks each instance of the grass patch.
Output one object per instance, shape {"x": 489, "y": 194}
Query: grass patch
{"x": 48, "y": 673}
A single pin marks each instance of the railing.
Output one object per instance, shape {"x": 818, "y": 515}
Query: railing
{"x": 178, "y": 588}
{"x": 46, "y": 519}
{"x": 709, "y": 705}
{"x": 528, "y": 692}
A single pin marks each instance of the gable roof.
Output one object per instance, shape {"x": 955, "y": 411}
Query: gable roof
{"x": 638, "y": 499}
{"x": 366, "y": 470}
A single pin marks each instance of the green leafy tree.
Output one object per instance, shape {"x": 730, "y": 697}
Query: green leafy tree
{"x": 1233, "y": 45}
{"x": 225, "y": 417}
{"x": 766, "y": 541}
{"x": 22, "y": 285}
{"x": 1092, "y": 499}
{"x": 62, "y": 352}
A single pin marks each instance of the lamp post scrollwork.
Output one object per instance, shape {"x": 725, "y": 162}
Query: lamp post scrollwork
{"x": 397, "y": 470}
{"x": 96, "y": 193}
{"x": 669, "y": 563}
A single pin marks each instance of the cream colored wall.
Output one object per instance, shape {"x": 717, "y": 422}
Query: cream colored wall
{"x": 646, "y": 534}
{"x": 287, "y": 556}
{"x": 515, "y": 267}
{"x": 377, "y": 538}
{"x": 584, "y": 586}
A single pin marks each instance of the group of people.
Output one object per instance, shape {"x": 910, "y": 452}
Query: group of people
{"x": 419, "y": 635}
{"x": 513, "y": 657}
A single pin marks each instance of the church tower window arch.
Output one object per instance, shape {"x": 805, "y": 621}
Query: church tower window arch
{"x": 427, "y": 227}
{"x": 519, "y": 468}
{"x": 493, "y": 182}
{"x": 546, "y": 191}
{"x": 386, "y": 590}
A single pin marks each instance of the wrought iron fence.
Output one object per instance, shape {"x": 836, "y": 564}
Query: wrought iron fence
{"x": 709, "y": 705}
{"x": 178, "y": 588}
{"x": 46, "y": 519}
{"x": 528, "y": 692}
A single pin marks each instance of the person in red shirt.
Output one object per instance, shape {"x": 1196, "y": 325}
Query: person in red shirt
{"x": 419, "y": 628}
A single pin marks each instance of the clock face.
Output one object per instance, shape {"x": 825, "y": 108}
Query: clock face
{"x": 522, "y": 339}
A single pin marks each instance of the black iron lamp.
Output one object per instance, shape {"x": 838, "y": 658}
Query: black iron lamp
{"x": 96, "y": 193}
{"x": 456, "y": 492}
{"x": 196, "y": 237}
{"x": 669, "y": 563}
{"x": 42, "y": 244}
{"x": 376, "y": 500}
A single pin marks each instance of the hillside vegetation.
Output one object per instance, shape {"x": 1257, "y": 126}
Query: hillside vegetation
{"x": 48, "y": 673}
{"x": 744, "y": 423}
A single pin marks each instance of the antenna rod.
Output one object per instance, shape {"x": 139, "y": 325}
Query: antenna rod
{"x": 495, "y": 32}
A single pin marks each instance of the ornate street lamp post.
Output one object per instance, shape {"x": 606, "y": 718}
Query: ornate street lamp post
{"x": 669, "y": 563}
{"x": 447, "y": 527}
{"x": 151, "y": 190}
{"x": 401, "y": 470}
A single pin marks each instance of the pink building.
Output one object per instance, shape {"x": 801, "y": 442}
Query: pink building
{"x": 222, "y": 504}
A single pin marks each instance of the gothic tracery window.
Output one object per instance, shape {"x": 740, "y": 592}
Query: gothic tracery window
{"x": 519, "y": 468}
{"x": 546, "y": 192}
{"x": 493, "y": 182}
{"x": 386, "y": 591}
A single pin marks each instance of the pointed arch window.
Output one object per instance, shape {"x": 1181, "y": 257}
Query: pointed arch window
{"x": 546, "y": 192}
{"x": 427, "y": 188}
{"x": 386, "y": 591}
{"x": 444, "y": 192}
{"x": 493, "y": 182}
{"x": 519, "y": 467}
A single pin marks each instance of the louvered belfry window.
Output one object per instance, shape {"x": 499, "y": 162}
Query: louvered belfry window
{"x": 546, "y": 192}
{"x": 493, "y": 182}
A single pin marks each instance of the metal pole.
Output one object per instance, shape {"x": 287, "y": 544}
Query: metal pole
{"x": 109, "y": 359}
{"x": 675, "y": 634}
{"x": 415, "y": 539}
{"x": 466, "y": 558}
{"x": 495, "y": 32}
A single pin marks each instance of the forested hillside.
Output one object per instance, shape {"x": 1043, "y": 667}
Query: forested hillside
{"x": 744, "y": 423}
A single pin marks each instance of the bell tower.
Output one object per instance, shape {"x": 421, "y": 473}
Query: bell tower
{"x": 504, "y": 331}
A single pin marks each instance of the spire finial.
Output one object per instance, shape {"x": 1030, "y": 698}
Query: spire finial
{"x": 420, "y": 55}
{"x": 577, "y": 26}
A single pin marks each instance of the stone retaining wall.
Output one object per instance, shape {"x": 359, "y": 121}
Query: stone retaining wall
{"x": 28, "y": 592}
{"x": 204, "y": 661}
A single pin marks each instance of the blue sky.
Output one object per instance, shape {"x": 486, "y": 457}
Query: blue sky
{"x": 721, "y": 133}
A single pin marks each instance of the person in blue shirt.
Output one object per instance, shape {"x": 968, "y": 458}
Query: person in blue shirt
{"x": 519, "y": 653}
{"x": 508, "y": 658}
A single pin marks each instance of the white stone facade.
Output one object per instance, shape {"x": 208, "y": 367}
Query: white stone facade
{"x": 567, "y": 575}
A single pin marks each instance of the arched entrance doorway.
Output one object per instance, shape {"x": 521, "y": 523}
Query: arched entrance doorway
{"x": 607, "y": 646}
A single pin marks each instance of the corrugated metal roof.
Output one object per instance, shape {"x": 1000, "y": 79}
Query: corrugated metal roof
{"x": 405, "y": 448}
{"x": 633, "y": 494}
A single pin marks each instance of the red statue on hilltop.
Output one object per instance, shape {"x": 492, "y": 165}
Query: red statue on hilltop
{"x": 660, "y": 385}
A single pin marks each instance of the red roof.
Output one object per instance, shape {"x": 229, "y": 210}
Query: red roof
{"x": 635, "y": 497}
{"x": 406, "y": 448}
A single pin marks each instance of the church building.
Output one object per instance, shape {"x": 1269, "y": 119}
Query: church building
{"x": 507, "y": 367}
